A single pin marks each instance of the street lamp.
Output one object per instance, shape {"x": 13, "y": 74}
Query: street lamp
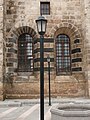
{"x": 41, "y": 27}
{"x": 48, "y": 60}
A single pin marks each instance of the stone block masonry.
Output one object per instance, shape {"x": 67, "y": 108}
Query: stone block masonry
{"x": 68, "y": 17}
{"x": 1, "y": 50}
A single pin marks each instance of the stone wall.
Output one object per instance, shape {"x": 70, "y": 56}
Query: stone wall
{"x": 66, "y": 17}
{"x": 86, "y": 27}
{"x": 1, "y": 50}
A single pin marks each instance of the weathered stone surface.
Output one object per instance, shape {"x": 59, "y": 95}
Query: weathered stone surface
{"x": 70, "y": 17}
{"x": 69, "y": 111}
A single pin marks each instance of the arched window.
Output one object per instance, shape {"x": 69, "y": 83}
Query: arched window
{"x": 25, "y": 53}
{"x": 63, "y": 57}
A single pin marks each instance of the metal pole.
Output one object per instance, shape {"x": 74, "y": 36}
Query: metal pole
{"x": 41, "y": 78}
{"x": 49, "y": 83}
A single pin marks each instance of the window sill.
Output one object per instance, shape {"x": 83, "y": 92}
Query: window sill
{"x": 25, "y": 74}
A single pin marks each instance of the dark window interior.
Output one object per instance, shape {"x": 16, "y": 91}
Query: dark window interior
{"x": 25, "y": 53}
{"x": 45, "y": 8}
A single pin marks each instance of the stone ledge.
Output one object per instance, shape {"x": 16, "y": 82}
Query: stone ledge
{"x": 10, "y": 104}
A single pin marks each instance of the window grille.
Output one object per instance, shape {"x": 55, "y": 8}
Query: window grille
{"x": 25, "y": 53}
{"x": 63, "y": 57}
{"x": 45, "y": 8}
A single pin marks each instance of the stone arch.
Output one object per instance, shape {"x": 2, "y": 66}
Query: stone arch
{"x": 11, "y": 46}
{"x": 16, "y": 32}
{"x": 75, "y": 41}
{"x": 67, "y": 28}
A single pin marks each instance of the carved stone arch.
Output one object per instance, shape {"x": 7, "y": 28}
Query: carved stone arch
{"x": 24, "y": 29}
{"x": 11, "y": 46}
{"x": 76, "y": 44}
{"x": 67, "y": 28}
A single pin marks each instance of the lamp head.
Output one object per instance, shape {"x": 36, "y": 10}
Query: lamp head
{"x": 48, "y": 58}
{"x": 41, "y": 25}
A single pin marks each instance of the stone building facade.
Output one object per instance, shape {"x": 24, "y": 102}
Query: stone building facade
{"x": 68, "y": 20}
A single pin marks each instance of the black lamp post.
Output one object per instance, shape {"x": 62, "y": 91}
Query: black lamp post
{"x": 41, "y": 27}
{"x": 48, "y": 60}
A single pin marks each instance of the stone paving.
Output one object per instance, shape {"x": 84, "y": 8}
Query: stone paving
{"x": 30, "y": 109}
{"x": 30, "y": 112}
